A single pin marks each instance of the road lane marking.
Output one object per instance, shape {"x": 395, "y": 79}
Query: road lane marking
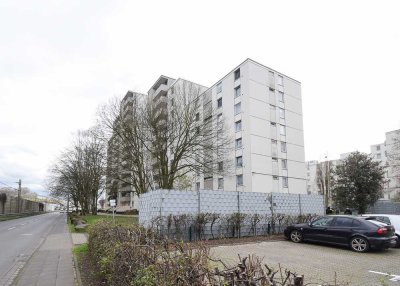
{"x": 12, "y": 228}
{"x": 396, "y": 278}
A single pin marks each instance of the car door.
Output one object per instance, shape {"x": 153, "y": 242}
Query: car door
{"x": 340, "y": 230}
{"x": 317, "y": 229}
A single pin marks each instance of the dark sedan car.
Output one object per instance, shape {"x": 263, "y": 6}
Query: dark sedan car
{"x": 358, "y": 233}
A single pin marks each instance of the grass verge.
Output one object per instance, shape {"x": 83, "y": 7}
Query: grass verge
{"x": 91, "y": 219}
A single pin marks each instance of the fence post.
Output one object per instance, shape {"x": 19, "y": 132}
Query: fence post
{"x": 239, "y": 218}
{"x": 300, "y": 204}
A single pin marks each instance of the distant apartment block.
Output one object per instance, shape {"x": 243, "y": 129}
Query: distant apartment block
{"x": 388, "y": 153}
{"x": 262, "y": 110}
{"x": 317, "y": 175}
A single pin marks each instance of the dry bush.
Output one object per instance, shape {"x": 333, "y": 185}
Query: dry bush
{"x": 134, "y": 256}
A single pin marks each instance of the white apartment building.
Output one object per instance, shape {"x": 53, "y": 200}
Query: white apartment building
{"x": 384, "y": 152}
{"x": 262, "y": 110}
{"x": 317, "y": 172}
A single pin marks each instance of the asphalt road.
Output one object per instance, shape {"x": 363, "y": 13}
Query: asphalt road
{"x": 19, "y": 239}
{"x": 320, "y": 263}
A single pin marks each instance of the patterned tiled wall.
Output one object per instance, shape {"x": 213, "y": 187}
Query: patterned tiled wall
{"x": 166, "y": 202}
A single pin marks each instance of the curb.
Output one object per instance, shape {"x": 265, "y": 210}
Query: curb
{"x": 78, "y": 280}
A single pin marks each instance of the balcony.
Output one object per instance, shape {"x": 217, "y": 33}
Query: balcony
{"x": 160, "y": 91}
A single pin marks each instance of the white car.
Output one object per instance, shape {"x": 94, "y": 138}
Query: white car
{"x": 389, "y": 219}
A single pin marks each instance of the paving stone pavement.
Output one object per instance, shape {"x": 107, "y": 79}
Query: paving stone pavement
{"x": 79, "y": 238}
{"x": 52, "y": 263}
{"x": 319, "y": 263}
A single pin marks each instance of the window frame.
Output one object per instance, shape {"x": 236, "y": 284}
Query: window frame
{"x": 241, "y": 143}
{"x": 219, "y": 87}
{"x": 237, "y": 180}
{"x": 236, "y": 74}
{"x": 238, "y": 91}
{"x": 238, "y": 123}
{"x": 283, "y": 150}
{"x": 219, "y": 102}
{"x": 238, "y": 105}
{"x": 239, "y": 162}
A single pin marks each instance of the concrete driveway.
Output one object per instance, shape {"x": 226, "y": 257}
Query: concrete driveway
{"x": 319, "y": 263}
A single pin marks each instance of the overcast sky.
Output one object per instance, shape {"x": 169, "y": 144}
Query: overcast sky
{"x": 59, "y": 60}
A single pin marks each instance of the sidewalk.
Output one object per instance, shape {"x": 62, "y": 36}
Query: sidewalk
{"x": 52, "y": 263}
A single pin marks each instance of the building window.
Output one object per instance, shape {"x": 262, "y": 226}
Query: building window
{"x": 238, "y": 125}
{"x": 280, "y": 80}
{"x": 220, "y": 183}
{"x": 238, "y": 143}
{"x": 237, "y": 91}
{"x": 219, "y": 121}
{"x": 197, "y": 116}
{"x": 238, "y": 108}
{"x": 219, "y": 102}
{"x": 378, "y": 148}
{"x": 219, "y": 87}
{"x": 284, "y": 182}
{"x": 281, "y": 96}
{"x": 197, "y": 130}
{"x": 282, "y": 130}
{"x": 275, "y": 177}
{"x": 220, "y": 166}
{"x": 378, "y": 156}
{"x": 197, "y": 186}
{"x": 283, "y": 147}
{"x": 237, "y": 74}
{"x": 284, "y": 164}
{"x": 239, "y": 180}
{"x": 281, "y": 113}
{"x": 239, "y": 161}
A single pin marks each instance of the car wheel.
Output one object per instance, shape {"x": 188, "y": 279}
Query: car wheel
{"x": 296, "y": 236}
{"x": 359, "y": 244}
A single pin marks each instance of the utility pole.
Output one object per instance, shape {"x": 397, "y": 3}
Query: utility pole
{"x": 68, "y": 205}
{"x": 19, "y": 196}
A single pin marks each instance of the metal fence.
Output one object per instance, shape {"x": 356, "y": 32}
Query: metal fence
{"x": 205, "y": 226}
{"x": 207, "y": 214}
{"x": 384, "y": 207}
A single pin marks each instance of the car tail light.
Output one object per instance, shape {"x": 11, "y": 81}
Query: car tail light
{"x": 382, "y": 230}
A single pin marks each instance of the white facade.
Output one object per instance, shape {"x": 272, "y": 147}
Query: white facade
{"x": 262, "y": 109}
{"x": 385, "y": 153}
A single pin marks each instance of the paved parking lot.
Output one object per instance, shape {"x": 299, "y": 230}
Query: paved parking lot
{"x": 319, "y": 262}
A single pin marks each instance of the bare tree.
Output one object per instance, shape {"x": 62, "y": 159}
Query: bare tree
{"x": 127, "y": 158}
{"x": 79, "y": 171}
{"x": 325, "y": 180}
{"x": 166, "y": 141}
{"x": 187, "y": 137}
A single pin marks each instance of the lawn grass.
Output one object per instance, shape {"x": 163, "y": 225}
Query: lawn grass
{"x": 80, "y": 249}
{"x": 91, "y": 219}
